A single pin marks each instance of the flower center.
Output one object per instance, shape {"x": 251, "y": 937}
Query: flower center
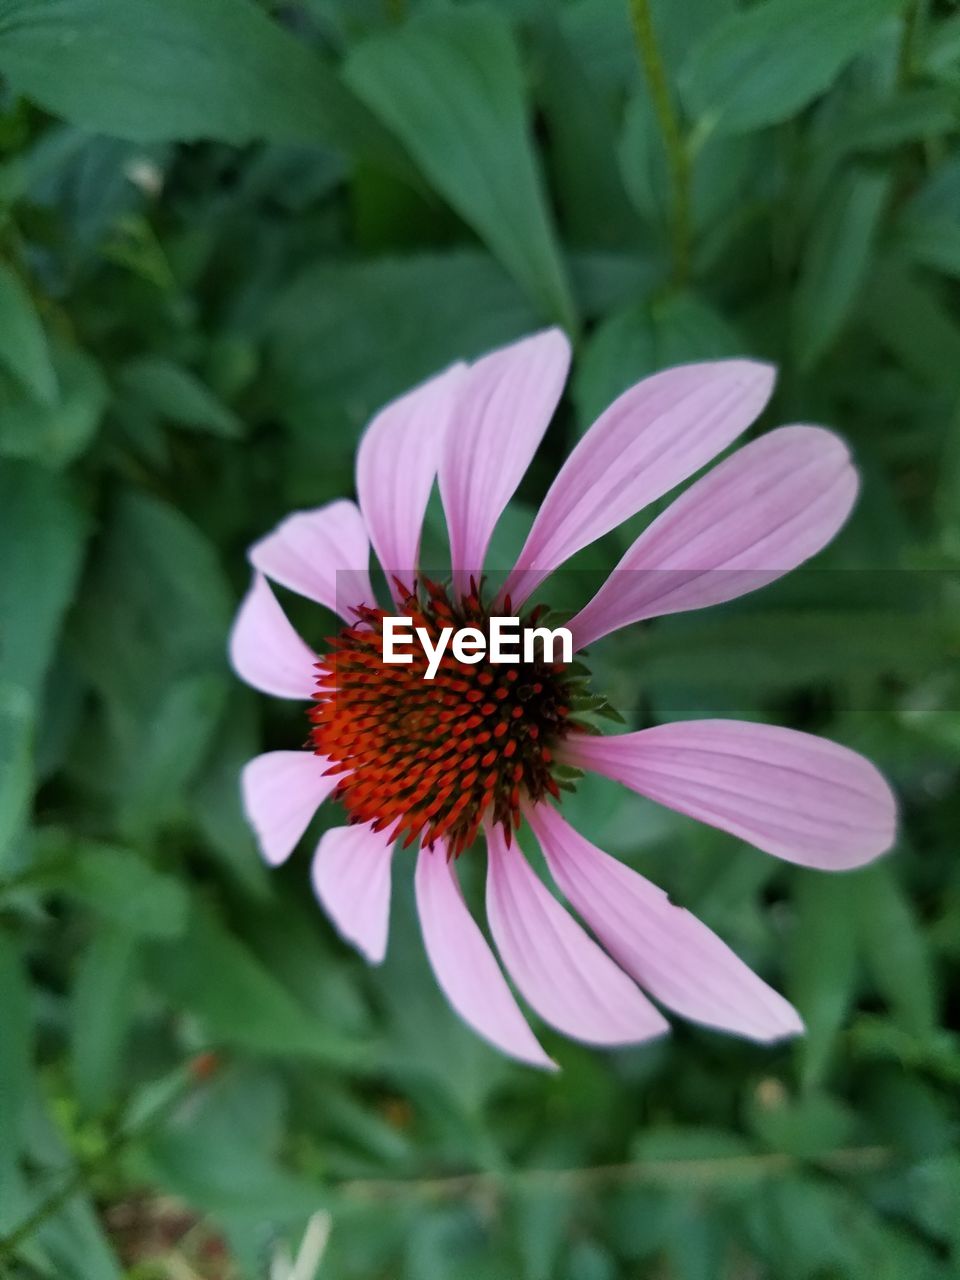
{"x": 432, "y": 758}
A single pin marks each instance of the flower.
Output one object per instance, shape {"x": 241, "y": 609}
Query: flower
{"x": 482, "y": 747}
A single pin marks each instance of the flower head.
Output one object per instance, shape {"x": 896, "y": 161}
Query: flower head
{"x": 482, "y": 748}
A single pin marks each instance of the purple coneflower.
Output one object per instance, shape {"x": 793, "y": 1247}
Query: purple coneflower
{"x": 482, "y": 747}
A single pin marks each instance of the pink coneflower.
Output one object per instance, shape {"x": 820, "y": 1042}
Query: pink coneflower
{"x": 482, "y": 747}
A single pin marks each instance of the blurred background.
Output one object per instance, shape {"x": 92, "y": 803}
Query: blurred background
{"x": 229, "y": 232}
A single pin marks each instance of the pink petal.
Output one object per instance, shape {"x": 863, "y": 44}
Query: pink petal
{"x": 282, "y": 790}
{"x": 759, "y": 514}
{"x": 791, "y": 794}
{"x": 464, "y": 965}
{"x": 322, "y": 554}
{"x": 505, "y": 406}
{"x": 351, "y": 877}
{"x": 396, "y": 466}
{"x": 265, "y": 650}
{"x": 670, "y": 953}
{"x": 650, "y": 439}
{"x": 561, "y": 971}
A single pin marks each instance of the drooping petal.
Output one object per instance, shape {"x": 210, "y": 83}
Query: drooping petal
{"x": 322, "y": 554}
{"x": 265, "y": 650}
{"x": 759, "y": 514}
{"x": 558, "y": 968}
{"x": 670, "y": 953}
{"x": 282, "y": 790}
{"x": 791, "y": 794}
{"x": 464, "y": 965}
{"x": 505, "y": 405}
{"x": 649, "y": 440}
{"x": 396, "y": 466}
{"x": 351, "y": 877}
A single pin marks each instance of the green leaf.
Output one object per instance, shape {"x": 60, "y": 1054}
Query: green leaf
{"x": 116, "y": 882}
{"x": 837, "y": 261}
{"x": 23, "y": 343}
{"x": 895, "y": 951}
{"x": 101, "y": 1013}
{"x": 16, "y": 762}
{"x": 823, "y": 966}
{"x": 43, "y": 535}
{"x": 932, "y": 242}
{"x": 58, "y": 431}
{"x": 450, "y": 84}
{"x": 916, "y": 323}
{"x": 15, "y": 1063}
{"x": 174, "y": 69}
{"x": 762, "y": 64}
{"x": 242, "y": 1003}
{"x": 409, "y": 310}
{"x": 176, "y": 394}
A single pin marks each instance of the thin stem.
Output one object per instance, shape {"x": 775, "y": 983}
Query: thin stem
{"x": 654, "y": 1173}
{"x": 678, "y": 155}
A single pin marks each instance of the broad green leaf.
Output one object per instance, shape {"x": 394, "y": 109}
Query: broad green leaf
{"x": 102, "y": 1007}
{"x": 116, "y": 883}
{"x": 174, "y": 69}
{"x": 804, "y": 1127}
{"x": 42, "y": 531}
{"x": 57, "y": 431}
{"x": 823, "y": 966}
{"x": 932, "y": 242}
{"x": 23, "y": 343}
{"x": 15, "y": 1063}
{"x": 916, "y": 322}
{"x": 583, "y": 155}
{"x": 239, "y": 1002}
{"x": 221, "y": 1153}
{"x": 177, "y": 395}
{"x": 763, "y": 63}
{"x": 410, "y": 311}
{"x": 155, "y": 610}
{"x": 837, "y": 261}
{"x": 16, "y": 762}
{"x": 450, "y": 84}
{"x": 895, "y": 951}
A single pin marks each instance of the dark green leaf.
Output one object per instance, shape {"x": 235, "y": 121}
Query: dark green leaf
{"x": 23, "y": 343}
{"x": 450, "y": 84}
{"x": 162, "y": 69}
{"x": 763, "y": 63}
{"x": 176, "y": 394}
{"x": 837, "y": 261}
{"x": 102, "y": 1009}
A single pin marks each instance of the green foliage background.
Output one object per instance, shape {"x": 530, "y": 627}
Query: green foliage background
{"x": 229, "y": 233}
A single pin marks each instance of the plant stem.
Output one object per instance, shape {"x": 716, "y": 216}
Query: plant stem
{"x": 660, "y": 1173}
{"x": 678, "y": 155}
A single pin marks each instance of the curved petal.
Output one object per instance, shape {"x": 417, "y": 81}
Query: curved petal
{"x": 282, "y": 790}
{"x": 559, "y": 970}
{"x": 670, "y": 953}
{"x": 396, "y": 465}
{"x": 650, "y": 439}
{"x": 322, "y": 554}
{"x": 464, "y": 965}
{"x": 265, "y": 650}
{"x": 791, "y": 794}
{"x": 505, "y": 406}
{"x": 351, "y": 877}
{"x": 759, "y": 514}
